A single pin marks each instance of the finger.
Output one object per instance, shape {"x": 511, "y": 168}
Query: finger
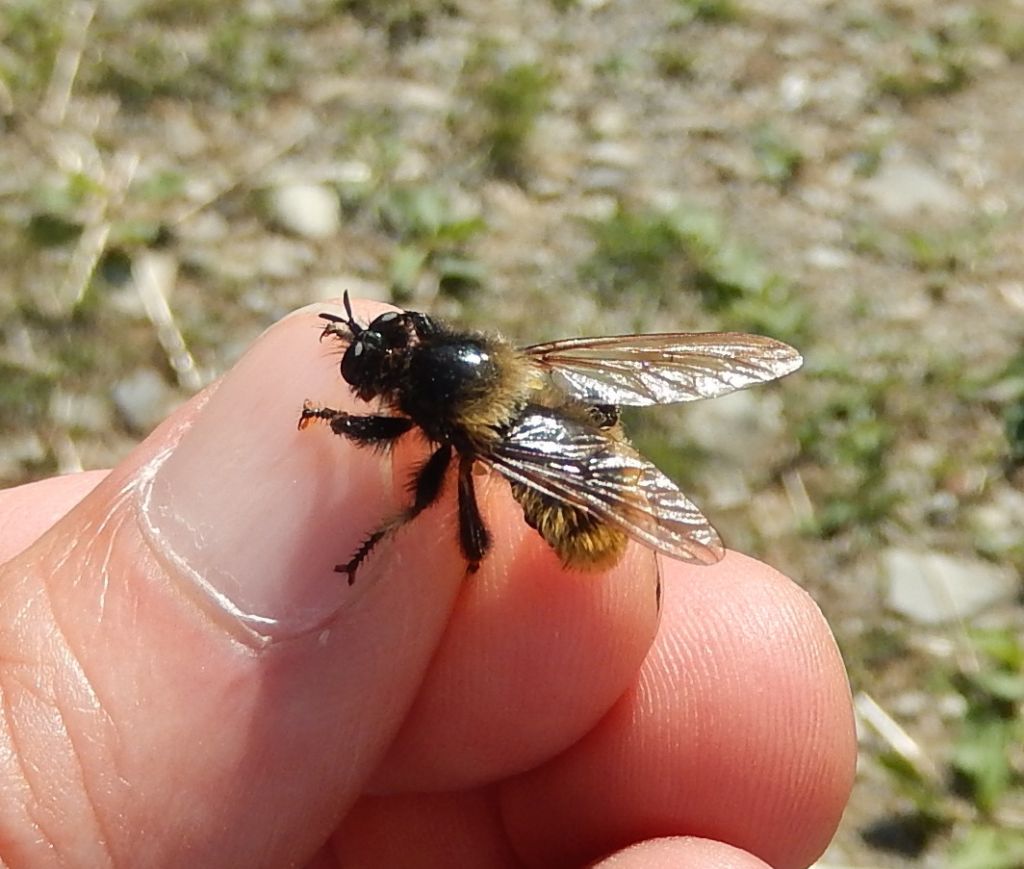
{"x": 452, "y": 830}
{"x": 532, "y": 658}
{"x": 178, "y": 654}
{"x": 464, "y": 829}
{"x": 681, "y": 853}
{"x": 739, "y": 730}
{"x": 27, "y": 511}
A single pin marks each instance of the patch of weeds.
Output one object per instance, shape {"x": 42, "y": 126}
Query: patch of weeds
{"x": 167, "y": 184}
{"x": 989, "y": 847}
{"x": 870, "y": 237}
{"x": 1013, "y": 425}
{"x": 778, "y": 158}
{"x": 993, "y": 23}
{"x": 867, "y": 159}
{"x": 373, "y": 137}
{"x": 243, "y": 58}
{"x": 711, "y": 11}
{"x": 930, "y": 251}
{"x": 874, "y": 649}
{"x": 983, "y": 758}
{"x": 46, "y": 229}
{"x": 1010, "y": 38}
{"x": 851, "y": 435}
{"x": 24, "y": 396}
{"x": 30, "y": 34}
{"x": 431, "y": 236}
{"x": 986, "y": 761}
{"x": 947, "y": 249}
{"x": 142, "y": 69}
{"x": 656, "y": 253}
{"x": 639, "y": 251}
{"x": 937, "y": 250}
{"x": 69, "y": 194}
{"x": 507, "y": 104}
{"x": 614, "y": 66}
{"x": 674, "y": 63}
{"x": 403, "y": 21}
{"x": 1006, "y": 392}
{"x": 937, "y": 67}
{"x": 57, "y": 219}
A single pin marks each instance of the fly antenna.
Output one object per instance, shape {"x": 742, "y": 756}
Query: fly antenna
{"x": 352, "y": 324}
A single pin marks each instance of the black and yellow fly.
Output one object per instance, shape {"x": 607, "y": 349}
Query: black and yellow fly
{"x": 546, "y": 418}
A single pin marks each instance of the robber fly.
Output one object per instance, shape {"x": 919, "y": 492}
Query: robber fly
{"x": 546, "y": 418}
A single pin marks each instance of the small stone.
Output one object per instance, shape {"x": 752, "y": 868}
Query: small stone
{"x": 932, "y": 588}
{"x": 905, "y": 188}
{"x": 998, "y": 523}
{"x": 308, "y": 210}
{"x": 143, "y": 398}
{"x": 826, "y": 257}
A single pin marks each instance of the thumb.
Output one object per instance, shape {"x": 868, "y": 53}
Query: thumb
{"x": 185, "y": 679}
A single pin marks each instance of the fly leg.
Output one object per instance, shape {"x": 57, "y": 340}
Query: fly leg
{"x": 375, "y": 431}
{"x": 427, "y": 484}
{"x": 474, "y": 537}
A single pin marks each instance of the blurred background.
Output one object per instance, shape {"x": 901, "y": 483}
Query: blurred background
{"x": 849, "y": 177}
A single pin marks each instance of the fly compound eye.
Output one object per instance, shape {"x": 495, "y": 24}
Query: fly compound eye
{"x": 384, "y": 323}
{"x": 394, "y": 329}
{"x": 362, "y": 362}
{"x": 353, "y": 363}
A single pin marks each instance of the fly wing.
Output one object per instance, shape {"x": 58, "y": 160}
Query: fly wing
{"x": 578, "y": 464}
{"x": 640, "y": 370}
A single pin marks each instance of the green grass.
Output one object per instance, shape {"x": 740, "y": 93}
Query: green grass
{"x": 429, "y": 236}
{"x": 30, "y": 34}
{"x": 239, "y": 56}
{"x": 656, "y": 254}
{"x": 938, "y": 66}
{"x": 674, "y": 62}
{"x": 710, "y": 11}
{"x": 506, "y": 104}
{"x": 778, "y": 158}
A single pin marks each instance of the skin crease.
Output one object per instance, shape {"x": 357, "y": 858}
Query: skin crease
{"x": 520, "y": 717}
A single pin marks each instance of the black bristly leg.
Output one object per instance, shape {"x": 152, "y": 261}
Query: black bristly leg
{"x": 473, "y": 534}
{"x": 363, "y": 430}
{"x": 427, "y": 485}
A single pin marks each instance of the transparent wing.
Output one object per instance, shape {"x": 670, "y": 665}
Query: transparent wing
{"x": 640, "y": 370}
{"x": 578, "y": 464}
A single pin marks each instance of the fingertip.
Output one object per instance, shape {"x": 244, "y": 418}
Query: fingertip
{"x": 242, "y": 465}
{"x": 739, "y": 730}
{"x": 681, "y": 852}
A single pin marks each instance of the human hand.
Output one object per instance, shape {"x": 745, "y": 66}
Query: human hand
{"x": 187, "y": 682}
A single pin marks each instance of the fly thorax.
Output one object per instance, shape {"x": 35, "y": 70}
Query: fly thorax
{"x": 444, "y": 379}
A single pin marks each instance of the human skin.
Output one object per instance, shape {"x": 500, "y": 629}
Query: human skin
{"x": 186, "y": 681}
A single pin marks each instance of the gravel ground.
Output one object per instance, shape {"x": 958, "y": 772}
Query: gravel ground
{"x": 845, "y": 176}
